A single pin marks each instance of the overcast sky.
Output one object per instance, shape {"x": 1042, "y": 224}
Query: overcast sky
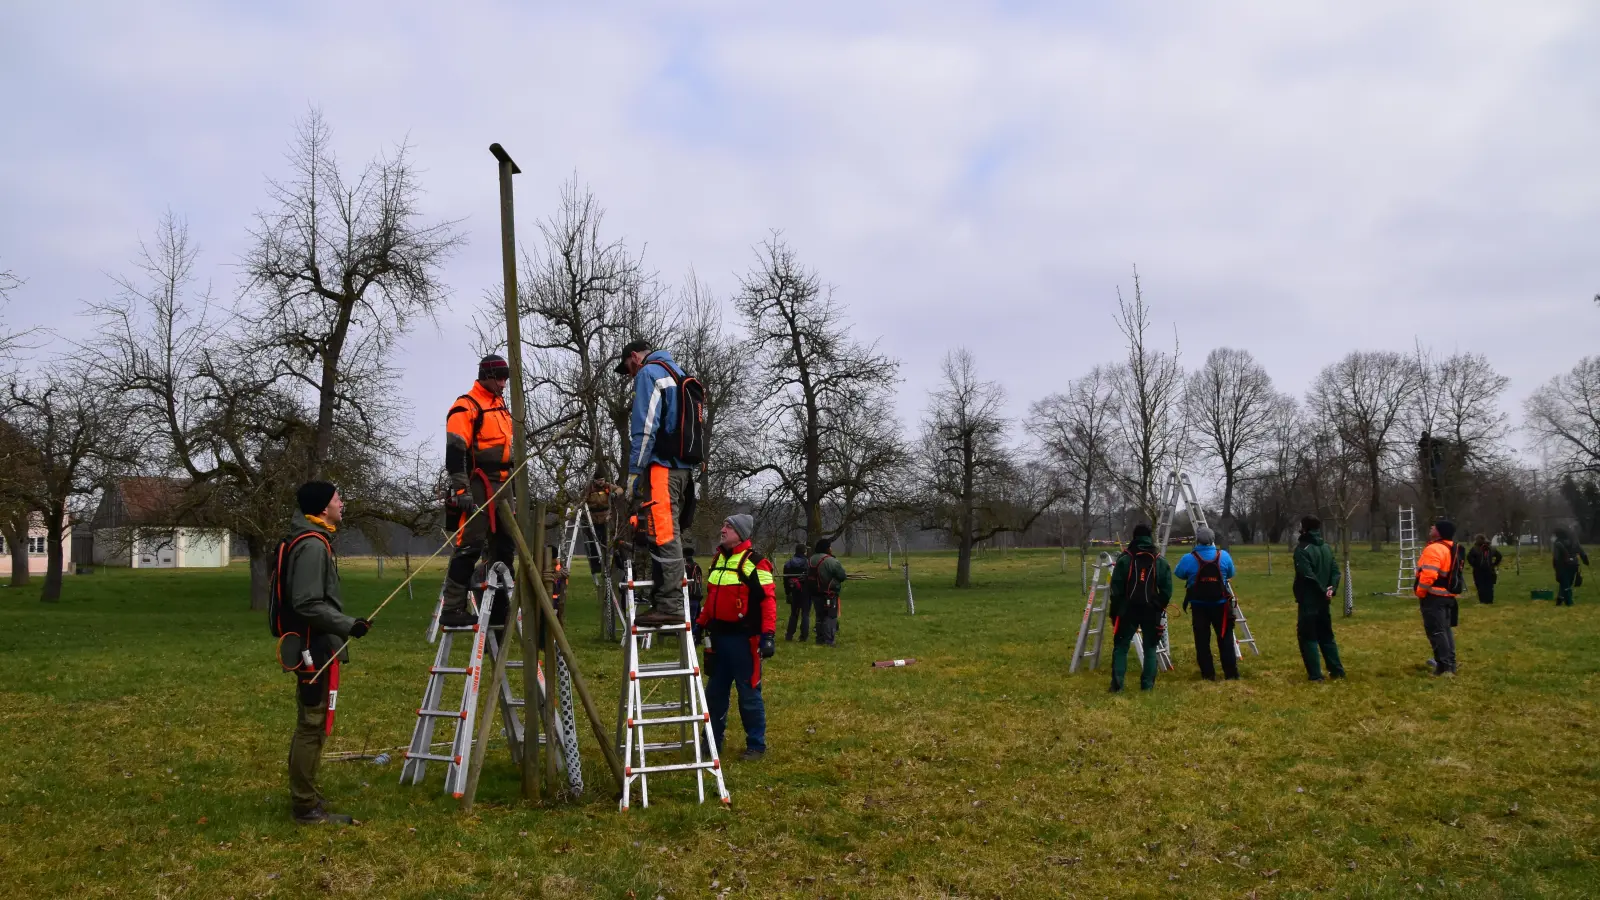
{"x": 1297, "y": 179}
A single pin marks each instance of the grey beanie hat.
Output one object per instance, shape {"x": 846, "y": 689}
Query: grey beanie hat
{"x": 743, "y": 524}
{"x": 1204, "y": 535}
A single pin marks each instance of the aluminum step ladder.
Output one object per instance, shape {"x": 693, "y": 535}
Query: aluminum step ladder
{"x": 484, "y": 646}
{"x": 1179, "y": 488}
{"x": 577, "y": 528}
{"x": 687, "y": 713}
{"x": 1093, "y": 627}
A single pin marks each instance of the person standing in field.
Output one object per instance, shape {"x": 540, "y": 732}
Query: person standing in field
{"x": 1208, "y": 572}
{"x": 1485, "y": 562}
{"x": 794, "y": 594}
{"x": 1565, "y": 553}
{"x": 1141, "y": 588}
{"x": 740, "y": 616}
{"x": 1439, "y": 582}
{"x": 1316, "y": 576}
{"x": 308, "y": 604}
{"x": 824, "y": 578}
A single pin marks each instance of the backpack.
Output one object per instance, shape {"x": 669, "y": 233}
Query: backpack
{"x": 281, "y": 617}
{"x": 1209, "y": 586}
{"x": 1142, "y": 578}
{"x": 812, "y": 582}
{"x": 684, "y": 440}
{"x": 1456, "y": 581}
{"x": 794, "y": 578}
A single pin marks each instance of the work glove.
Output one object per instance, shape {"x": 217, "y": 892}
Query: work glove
{"x": 465, "y": 503}
{"x": 768, "y": 645}
{"x": 1185, "y": 605}
{"x": 633, "y": 486}
{"x": 698, "y": 631}
{"x": 360, "y": 628}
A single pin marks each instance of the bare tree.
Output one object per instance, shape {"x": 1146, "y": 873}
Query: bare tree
{"x": 1456, "y": 409}
{"x": 1148, "y": 387}
{"x": 11, "y": 341}
{"x": 703, "y": 345}
{"x": 341, "y": 268}
{"x": 1230, "y": 405}
{"x": 1364, "y": 397}
{"x": 808, "y": 377}
{"x": 77, "y": 434}
{"x": 1564, "y": 415}
{"x": 20, "y": 481}
{"x": 1076, "y": 429}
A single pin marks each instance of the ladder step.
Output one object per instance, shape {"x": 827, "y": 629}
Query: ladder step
{"x": 460, "y": 628}
{"x": 669, "y": 720}
{"x": 656, "y": 629}
{"x": 661, "y": 707}
{"x": 631, "y": 771}
{"x": 431, "y": 757}
{"x": 660, "y": 746}
{"x": 665, "y": 673}
{"x": 451, "y": 670}
{"x": 443, "y": 713}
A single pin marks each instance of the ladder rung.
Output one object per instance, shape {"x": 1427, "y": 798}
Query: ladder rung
{"x": 631, "y": 771}
{"x": 461, "y": 628}
{"x": 431, "y": 757}
{"x": 669, "y": 720}
{"x": 450, "y": 670}
{"x": 443, "y": 713}
{"x": 663, "y": 746}
{"x": 655, "y": 629}
{"x": 661, "y": 707}
{"x": 665, "y": 673}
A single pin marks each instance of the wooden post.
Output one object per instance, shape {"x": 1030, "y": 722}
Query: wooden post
{"x": 519, "y": 450}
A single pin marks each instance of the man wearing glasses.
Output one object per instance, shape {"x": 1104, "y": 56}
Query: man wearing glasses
{"x": 477, "y": 457}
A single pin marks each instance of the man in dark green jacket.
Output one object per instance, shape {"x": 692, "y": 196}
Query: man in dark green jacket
{"x": 1141, "y": 588}
{"x": 824, "y": 577}
{"x": 310, "y": 582}
{"x": 1315, "y": 577}
{"x": 1565, "y": 554}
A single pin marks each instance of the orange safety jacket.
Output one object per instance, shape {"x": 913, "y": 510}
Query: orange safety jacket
{"x": 1433, "y": 569}
{"x": 478, "y": 435}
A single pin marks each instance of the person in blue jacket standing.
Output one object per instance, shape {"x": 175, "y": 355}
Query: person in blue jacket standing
{"x": 1208, "y": 571}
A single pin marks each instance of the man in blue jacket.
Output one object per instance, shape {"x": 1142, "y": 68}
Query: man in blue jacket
{"x": 659, "y": 482}
{"x": 1208, "y": 570}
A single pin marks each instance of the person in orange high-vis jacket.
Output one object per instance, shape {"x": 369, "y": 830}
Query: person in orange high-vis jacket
{"x": 1439, "y": 609}
{"x": 740, "y": 619}
{"x": 477, "y": 460}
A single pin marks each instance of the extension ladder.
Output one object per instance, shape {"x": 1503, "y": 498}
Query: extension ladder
{"x": 1407, "y": 574}
{"x": 1094, "y": 615}
{"x": 485, "y": 646}
{"x": 688, "y": 713}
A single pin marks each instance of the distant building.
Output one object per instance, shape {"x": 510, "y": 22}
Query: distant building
{"x": 36, "y": 548}
{"x": 150, "y": 522}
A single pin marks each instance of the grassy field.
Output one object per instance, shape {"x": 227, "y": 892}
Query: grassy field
{"x": 144, "y": 725}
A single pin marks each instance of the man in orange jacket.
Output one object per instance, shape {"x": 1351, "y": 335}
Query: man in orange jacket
{"x": 1439, "y": 608}
{"x": 477, "y": 459}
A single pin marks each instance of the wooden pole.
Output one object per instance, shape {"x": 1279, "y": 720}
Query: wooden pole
{"x": 519, "y": 448}
{"x": 578, "y": 684}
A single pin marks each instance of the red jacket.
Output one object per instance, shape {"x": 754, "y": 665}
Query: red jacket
{"x": 740, "y": 594}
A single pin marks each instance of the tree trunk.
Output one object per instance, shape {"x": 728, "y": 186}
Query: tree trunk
{"x": 968, "y": 520}
{"x": 260, "y": 572}
{"x": 1375, "y": 504}
{"x": 53, "y": 556}
{"x": 16, "y": 535}
{"x": 964, "y": 560}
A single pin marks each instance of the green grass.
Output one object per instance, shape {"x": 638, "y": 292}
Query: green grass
{"x": 143, "y": 730}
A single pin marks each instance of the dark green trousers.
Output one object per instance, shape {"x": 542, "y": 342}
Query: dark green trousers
{"x": 1149, "y": 627}
{"x": 1564, "y": 579}
{"x": 1314, "y": 629}
{"x": 305, "y": 748}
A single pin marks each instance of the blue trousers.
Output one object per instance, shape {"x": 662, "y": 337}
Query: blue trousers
{"x": 734, "y": 663}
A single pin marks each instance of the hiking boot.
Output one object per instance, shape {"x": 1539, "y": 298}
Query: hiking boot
{"x": 751, "y": 754}
{"x": 318, "y": 815}
{"x": 657, "y": 619}
{"x": 457, "y": 618}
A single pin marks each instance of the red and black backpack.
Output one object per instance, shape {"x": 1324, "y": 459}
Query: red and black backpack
{"x": 684, "y": 438}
